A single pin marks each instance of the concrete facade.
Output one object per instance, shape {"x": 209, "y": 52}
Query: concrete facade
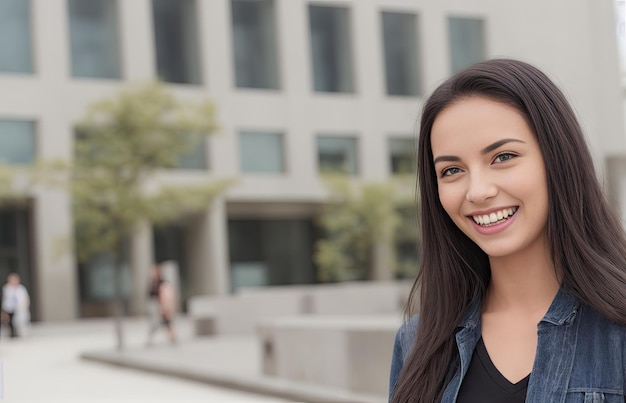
{"x": 574, "y": 41}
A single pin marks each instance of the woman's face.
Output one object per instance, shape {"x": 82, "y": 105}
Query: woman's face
{"x": 491, "y": 176}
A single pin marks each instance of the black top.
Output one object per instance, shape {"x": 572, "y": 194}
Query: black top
{"x": 485, "y": 384}
{"x": 155, "y": 288}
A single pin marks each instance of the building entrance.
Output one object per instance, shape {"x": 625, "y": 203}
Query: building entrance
{"x": 16, "y": 248}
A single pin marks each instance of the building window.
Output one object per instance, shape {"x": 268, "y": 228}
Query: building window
{"x": 97, "y": 277}
{"x": 194, "y": 158}
{"x": 621, "y": 32}
{"x": 94, "y": 38}
{"x": 331, "y": 49}
{"x": 176, "y": 41}
{"x": 15, "y": 37}
{"x": 254, "y": 44}
{"x": 337, "y": 155}
{"x": 18, "y": 142}
{"x": 467, "y": 42}
{"x": 261, "y": 152}
{"x": 271, "y": 252}
{"x": 402, "y": 155}
{"x": 402, "y": 70}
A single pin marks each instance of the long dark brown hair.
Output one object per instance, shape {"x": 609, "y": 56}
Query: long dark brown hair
{"x": 585, "y": 237}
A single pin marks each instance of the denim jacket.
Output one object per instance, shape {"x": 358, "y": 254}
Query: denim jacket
{"x": 580, "y": 355}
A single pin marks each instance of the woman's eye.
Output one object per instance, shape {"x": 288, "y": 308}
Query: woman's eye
{"x": 450, "y": 171}
{"x": 504, "y": 157}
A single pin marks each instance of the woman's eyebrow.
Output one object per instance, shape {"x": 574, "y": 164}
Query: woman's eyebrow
{"x": 485, "y": 150}
{"x": 446, "y": 158}
{"x": 498, "y": 144}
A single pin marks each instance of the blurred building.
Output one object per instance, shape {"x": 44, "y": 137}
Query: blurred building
{"x": 302, "y": 87}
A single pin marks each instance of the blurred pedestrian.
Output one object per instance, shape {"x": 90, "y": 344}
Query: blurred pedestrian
{"x": 161, "y": 305}
{"x": 15, "y": 306}
{"x": 522, "y": 276}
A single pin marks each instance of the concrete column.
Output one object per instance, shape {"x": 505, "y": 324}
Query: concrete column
{"x": 208, "y": 251}
{"x": 141, "y": 260}
{"x": 382, "y": 260}
{"x": 219, "y": 267}
{"x": 198, "y": 254}
{"x": 51, "y": 53}
{"x": 136, "y": 41}
{"x": 55, "y": 267}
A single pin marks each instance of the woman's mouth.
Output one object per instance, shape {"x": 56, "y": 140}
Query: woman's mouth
{"x": 495, "y": 217}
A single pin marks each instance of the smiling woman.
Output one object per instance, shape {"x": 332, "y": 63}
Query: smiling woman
{"x": 517, "y": 239}
{"x": 480, "y": 174}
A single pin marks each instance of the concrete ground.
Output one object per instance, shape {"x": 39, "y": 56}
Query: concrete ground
{"x": 227, "y": 361}
{"x": 46, "y": 367}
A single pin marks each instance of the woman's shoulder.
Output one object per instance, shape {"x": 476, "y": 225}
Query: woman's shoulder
{"x": 597, "y": 326}
{"x": 405, "y": 337}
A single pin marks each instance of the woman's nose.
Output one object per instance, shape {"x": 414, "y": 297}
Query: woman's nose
{"x": 480, "y": 188}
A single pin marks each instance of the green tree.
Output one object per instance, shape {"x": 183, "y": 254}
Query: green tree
{"x": 121, "y": 146}
{"x": 359, "y": 221}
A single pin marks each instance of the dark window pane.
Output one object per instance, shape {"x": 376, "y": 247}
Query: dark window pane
{"x": 401, "y": 54}
{"x": 15, "y": 37}
{"x": 402, "y": 155}
{"x": 94, "y": 38}
{"x": 467, "y": 42}
{"x": 18, "y": 143}
{"x": 337, "y": 155}
{"x": 195, "y": 157}
{"x": 331, "y": 49}
{"x": 176, "y": 39}
{"x": 261, "y": 152}
{"x": 254, "y": 44}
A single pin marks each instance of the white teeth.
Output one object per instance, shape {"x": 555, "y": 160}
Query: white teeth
{"x": 492, "y": 218}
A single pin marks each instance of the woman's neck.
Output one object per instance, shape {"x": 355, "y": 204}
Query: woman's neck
{"x": 523, "y": 284}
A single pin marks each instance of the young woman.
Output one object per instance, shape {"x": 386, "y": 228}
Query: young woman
{"x": 523, "y": 271}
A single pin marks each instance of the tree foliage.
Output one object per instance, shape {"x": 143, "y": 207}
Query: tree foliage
{"x": 356, "y": 218}
{"x": 120, "y": 146}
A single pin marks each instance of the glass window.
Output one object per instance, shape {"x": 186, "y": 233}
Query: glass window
{"x": 261, "y": 152}
{"x": 402, "y": 155}
{"x": 195, "y": 157}
{"x": 331, "y": 49}
{"x": 254, "y": 44}
{"x": 15, "y": 37}
{"x": 621, "y": 32}
{"x": 401, "y": 54}
{"x": 271, "y": 252}
{"x": 18, "y": 143}
{"x": 94, "y": 38}
{"x": 467, "y": 42}
{"x": 97, "y": 277}
{"x": 338, "y": 155}
{"x": 176, "y": 41}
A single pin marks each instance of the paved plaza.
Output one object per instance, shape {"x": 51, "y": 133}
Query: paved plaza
{"x": 45, "y": 367}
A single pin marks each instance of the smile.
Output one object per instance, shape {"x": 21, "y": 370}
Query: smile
{"x": 494, "y": 218}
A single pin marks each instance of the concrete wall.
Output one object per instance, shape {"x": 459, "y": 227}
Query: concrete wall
{"x": 346, "y": 352}
{"x": 240, "y": 313}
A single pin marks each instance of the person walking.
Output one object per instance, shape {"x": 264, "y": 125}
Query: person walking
{"x": 15, "y": 305}
{"x": 161, "y": 305}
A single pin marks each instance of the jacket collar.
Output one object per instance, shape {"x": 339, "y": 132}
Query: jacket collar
{"x": 561, "y": 311}
{"x": 471, "y": 319}
{"x": 563, "y": 308}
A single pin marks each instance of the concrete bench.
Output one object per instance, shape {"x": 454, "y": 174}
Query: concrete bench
{"x": 347, "y": 352}
{"x": 239, "y": 313}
